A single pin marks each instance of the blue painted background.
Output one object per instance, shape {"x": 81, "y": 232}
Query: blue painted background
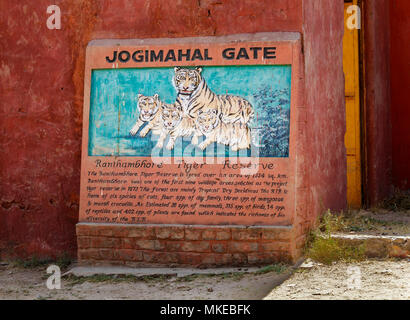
{"x": 113, "y": 106}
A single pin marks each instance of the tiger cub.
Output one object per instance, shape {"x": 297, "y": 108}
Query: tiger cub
{"x": 236, "y": 135}
{"x": 175, "y": 125}
{"x": 195, "y": 95}
{"x": 149, "y": 112}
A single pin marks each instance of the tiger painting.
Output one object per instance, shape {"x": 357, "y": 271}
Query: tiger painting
{"x": 197, "y": 111}
{"x": 194, "y": 95}
{"x": 150, "y": 113}
{"x": 236, "y": 135}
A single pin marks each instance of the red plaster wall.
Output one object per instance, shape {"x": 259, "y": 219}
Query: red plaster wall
{"x": 41, "y": 73}
{"x": 41, "y": 76}
{"x": 377, "y": 95}
{"x": 326, "y": 154}
{"x": 400, "y": 84}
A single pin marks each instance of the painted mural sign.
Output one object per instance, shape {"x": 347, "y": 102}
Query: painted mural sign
{"x": 190, "y": 131}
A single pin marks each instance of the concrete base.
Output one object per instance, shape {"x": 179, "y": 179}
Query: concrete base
{"x": 184, "y": 245}
{"x": 88, "y": 271}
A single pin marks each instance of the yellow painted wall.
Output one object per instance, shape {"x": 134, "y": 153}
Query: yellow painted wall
{"x": 352, "y": 97}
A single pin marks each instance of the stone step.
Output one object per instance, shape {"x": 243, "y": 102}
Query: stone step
{"x": 378, "y": 246}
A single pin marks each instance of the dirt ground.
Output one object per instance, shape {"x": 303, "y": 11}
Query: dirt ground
{"x": 21, "y": 283}
{"x": 379, "y": 222}
{"x": 379, "y": 280}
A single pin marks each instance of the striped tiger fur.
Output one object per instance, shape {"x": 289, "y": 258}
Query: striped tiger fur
{"x": 236, "y": 135}
{"x": 150, "y": 113}
{"x": 194, "y": 95}
{"x": 175, "y": 125}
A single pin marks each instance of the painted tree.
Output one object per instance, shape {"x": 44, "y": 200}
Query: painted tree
{"x": 273, "y": 121}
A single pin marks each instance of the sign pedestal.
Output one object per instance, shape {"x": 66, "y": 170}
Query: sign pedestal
{"x": 190, "y": 151}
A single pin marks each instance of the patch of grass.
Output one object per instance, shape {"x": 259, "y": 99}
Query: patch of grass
{"x": 322, "y": 248}
{"x": 236, "y": 276}
{"x": 33, "y": 262}
{"x": 154, "y": 278}
{"x": 355, "y": 221}
{"x": 191, "y": 277}
{"x": 75, "y": 280}
{"x": 326, "y": 250}
{"x": 62, "y": 261}
{"x": 332, "y": 222}
{"x": 277, "y": 268}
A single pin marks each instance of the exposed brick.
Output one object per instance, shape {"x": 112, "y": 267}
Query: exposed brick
{"x": 189, "y": 258}
{"x": 105, "y": 242}
{"x": 105, "y": 231}
{"x": 83, "y": 242}
{"x": 128, "y": 243}
{"x": 168, "y": 245}
{"x": 149, "y": 244}
{"x": 239, "y": 259}
{"x": 275, "y": 246}
{"x": 130, "y": 255}
{"x": 160, "y": 257}
{"x": 86, "y": 230}
{"x": 219, "y": 247}
{"x": 174, "y": 233}
{"x": 141, "y": 232}
{"x": 174, "y": 245}
{"x": 276, "y": 234}
{"x": 262, "y": 258}
{"x": 196, "y": 246}
{"x": 109, "y": 262}
{"x": 208, "y": 235}
{"x": 193, "y": 234}
{"x": 246, "y": 234}
{"x": 223, "y": 235}
{"x": 212, "y": 259}
{"x": 121, "y": 231}
{"x": 286, "y": 256}
{"x": 241, "y": 246}
{"x": 88, "y": 254}
{"x": 108, "y": 254}
{"x": 81, "y": 230}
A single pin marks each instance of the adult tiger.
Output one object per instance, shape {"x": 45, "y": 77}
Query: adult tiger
{"x": 194, "y": 95}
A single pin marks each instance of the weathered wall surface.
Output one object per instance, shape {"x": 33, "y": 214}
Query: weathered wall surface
{"x": 377, "y": 96}
{"x": 41, "y": 74}
{"x": 400, "y": 84}
{"x": 325, "y": 155}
